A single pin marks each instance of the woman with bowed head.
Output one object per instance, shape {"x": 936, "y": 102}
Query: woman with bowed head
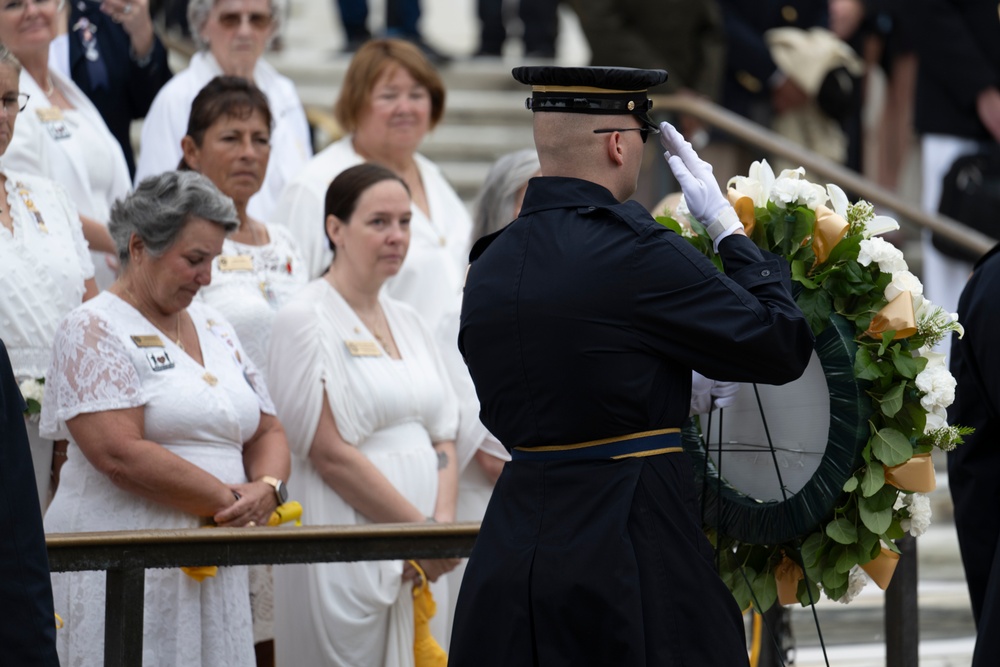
{"x": 45, "y": 270}
{"x": 170, "y": 426}
{"x": 357, "y": 378}
{"x": 61, "y": 135}
{"x": 259, "y": 270}
{"x": 231, "y": 36}
{"x": 390, "y": 99}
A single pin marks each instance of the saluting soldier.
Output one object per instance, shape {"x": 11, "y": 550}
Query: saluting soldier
{"x": 581, "y": 324}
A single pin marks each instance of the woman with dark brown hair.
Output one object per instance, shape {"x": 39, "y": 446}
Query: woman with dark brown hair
{"x": 371, "y": 421}
{"x": 390, "y": 99}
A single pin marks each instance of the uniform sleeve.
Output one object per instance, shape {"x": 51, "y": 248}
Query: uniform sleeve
{"x": 295, "y": 374}
{"x": 743, "y": 326}
{"x": 90, "y": 372}
{"x": 979, "y": 351}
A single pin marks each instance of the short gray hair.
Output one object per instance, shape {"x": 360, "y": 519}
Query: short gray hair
{"x": 494, "y": 207}
{"x": 198, "y": 11}
{"x": 161, "y": 205}
{"x": 9, "y": 59}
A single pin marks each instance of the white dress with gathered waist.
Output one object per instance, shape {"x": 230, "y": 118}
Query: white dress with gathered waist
{"x": 354, "y": 614}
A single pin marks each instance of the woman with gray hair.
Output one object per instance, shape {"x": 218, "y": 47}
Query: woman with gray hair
{"x": 169, "y": 426}
{"x": 231, "y": 36}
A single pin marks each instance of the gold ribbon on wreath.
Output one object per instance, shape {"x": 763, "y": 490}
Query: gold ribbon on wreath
{"x": 897, "y": 315}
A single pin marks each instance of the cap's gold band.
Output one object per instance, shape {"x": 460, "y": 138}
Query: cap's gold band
{"x": 579, "y": 89}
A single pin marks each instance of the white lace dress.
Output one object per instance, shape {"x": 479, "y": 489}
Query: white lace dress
{"x": 97, "y": 366}
{"x": 44, "y": 262}
{"x": 250, "y": 283}
{"x": 355, "y": 614}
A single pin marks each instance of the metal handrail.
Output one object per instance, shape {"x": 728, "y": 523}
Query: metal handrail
{"x": 848, "y": 179}
{"x": 126, "y": 555}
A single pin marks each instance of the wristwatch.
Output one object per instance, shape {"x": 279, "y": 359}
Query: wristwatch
{"x": 280, "y": 490}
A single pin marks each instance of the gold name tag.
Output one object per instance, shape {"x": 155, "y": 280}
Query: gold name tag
{"x": 49, "y": 115}
{"x": 236, "y": 263}
{"x": 147, "y": 341}
{"x": 363, "y": 348}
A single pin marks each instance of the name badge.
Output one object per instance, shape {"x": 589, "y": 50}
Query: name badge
{"x": 147, "y": 341}
{"x": 49, "y": 115}
{"x": 236, "y": 263}
{"x": 160, "y": 360}
{"x": 363, "y": 348}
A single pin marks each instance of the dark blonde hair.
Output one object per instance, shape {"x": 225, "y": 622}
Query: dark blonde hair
{"x": 374, "y": 59}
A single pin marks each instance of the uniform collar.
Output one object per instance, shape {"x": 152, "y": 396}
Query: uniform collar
{"x": 549, "y": 192}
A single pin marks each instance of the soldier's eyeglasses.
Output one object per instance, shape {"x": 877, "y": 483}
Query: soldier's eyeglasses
{"x": 644, "y": 132}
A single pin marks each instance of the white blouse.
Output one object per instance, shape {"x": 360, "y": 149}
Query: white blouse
{"x": 44, "y": 262}
{"x": 250, "y": 283}
{"x": 432, "y": 274}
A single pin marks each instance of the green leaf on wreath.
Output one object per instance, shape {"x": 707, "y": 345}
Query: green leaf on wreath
{"x": 670, "y": 223}
{"x": 892, "y": 400}
{"x": 850, "y": 485}
{"x": 873, "y": 480}
{"x": 877, "y": 521}
{"x": 808, "y": 592}
{"x": 842, "y": 531}
{"x": 848, "y": 559}
{"x": 906, "y": 364}
{"x": 848, "y": 248}
{"x": 799, "y": 272}
{"x": 765, "y": 590}
{"x": 810, "y": 549}
{"x": 836, "y": 593}
{"x": 867, "y": 543}
{"x": 34, "y": 407}
{"x": 738, "y": 585}
{"x": 891, "y": 447}
{"x": 816, "y": 306}
{"x": 833, "y": 579}
{"x": 865, "y": 367}
{"x": 894, "y": 532}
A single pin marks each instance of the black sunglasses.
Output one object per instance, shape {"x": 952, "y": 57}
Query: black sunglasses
{"x": 644, "y": 132}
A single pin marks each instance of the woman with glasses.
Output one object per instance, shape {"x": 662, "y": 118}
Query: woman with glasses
{"x": 45, "y": 269}
{"x": 231, "y": 35}
{"x": 61, "y": 135}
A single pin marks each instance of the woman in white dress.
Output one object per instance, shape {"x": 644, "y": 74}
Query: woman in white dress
{"x": 170, "y": 426}
{"x": 229, "y": 140}
{"x": 372, "y": 419}
{"x": 61, "y": 135}
{"x": 45, "y": 269}
{"x": 231, "y": 36}
{"x": 390, "y": 99}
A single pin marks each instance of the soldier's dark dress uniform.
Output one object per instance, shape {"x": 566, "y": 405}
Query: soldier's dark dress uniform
{"x": 28, "y": 629}
{"x": 582, "y": 321}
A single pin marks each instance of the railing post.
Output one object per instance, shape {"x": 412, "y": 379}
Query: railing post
{"x": 902, "y": 627}
{"x": 123, "y": 617}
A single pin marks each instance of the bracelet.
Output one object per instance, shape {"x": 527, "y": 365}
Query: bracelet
{"x": 60, "y": 453}
{"x": 237, "y": 496}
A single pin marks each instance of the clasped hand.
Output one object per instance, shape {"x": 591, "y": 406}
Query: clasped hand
{"x": 254, "y": 507}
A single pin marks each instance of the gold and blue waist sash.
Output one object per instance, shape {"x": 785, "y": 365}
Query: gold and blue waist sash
{"x": 646, "y": 443}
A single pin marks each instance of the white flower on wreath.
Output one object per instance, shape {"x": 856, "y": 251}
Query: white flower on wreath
{"x": 938, "y": 386}
{"x": 888, "y": 257}
{"x": 856, "y": 581}
{"x": 756, "y": 184}
{"x": 919, "y": 507}
{"x": 933, "y": 318}
{"x": 937, "y": 419}
{"x": 33, "y": 389}
{"x": 903, "y": 281}
{"x": 790, "y": 189}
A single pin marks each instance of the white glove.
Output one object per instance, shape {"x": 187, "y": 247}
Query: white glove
{"x": 708, "y": 395}
{"x": 701, "y": 192}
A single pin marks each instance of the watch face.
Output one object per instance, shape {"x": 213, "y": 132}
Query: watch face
{"x": 282, "y": 492}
